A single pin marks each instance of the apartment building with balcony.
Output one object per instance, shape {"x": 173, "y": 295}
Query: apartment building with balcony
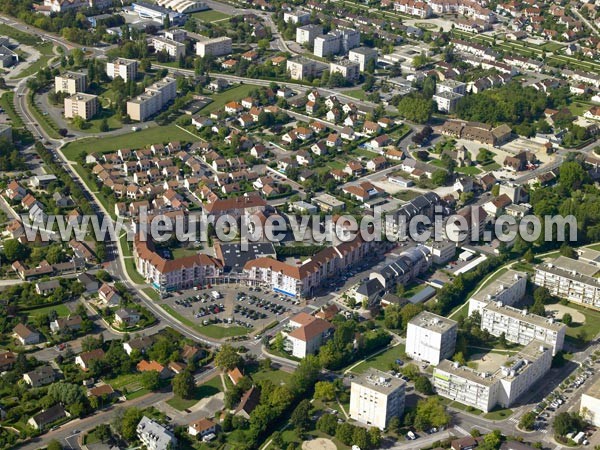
{"x": 508, "y": 288}
{"x": 152, "y": 100}
{"x": 85, "y": 106}
{"x": 219, "y": 46}
{"x": 70, "y": 82}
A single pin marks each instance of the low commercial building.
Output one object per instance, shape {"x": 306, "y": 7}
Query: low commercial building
{"x": 152, "y": 100}
{"x": 122, "y": 67}
{"x": 183, "y": 6}
{"x": 508, "y": 288}
{"x": 328, "y": 203}
{"x": 590, "y": 404}
{"x": 348, "y": 69}
{"x": 503, "y": 385}
{"x": 85, "y": 106}
{"x": 521, "y": 327}
{"x": 376, "y": 397}
{"x": 362, "y": 55}
{"x": 571, "y": 279}
{"x": 157, "y": 13}
{"x": 431, "y": 338}
{"x": 154, "y": 436}
{"x": 70, "y": 82}
{"x": 301, "y": 68}
{"x": 219, "y": 46}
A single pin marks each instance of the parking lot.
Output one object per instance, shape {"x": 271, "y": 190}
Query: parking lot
{"x": 233, "y": 304}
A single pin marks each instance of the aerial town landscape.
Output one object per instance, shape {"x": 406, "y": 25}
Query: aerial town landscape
{"x": 337, "y": 225}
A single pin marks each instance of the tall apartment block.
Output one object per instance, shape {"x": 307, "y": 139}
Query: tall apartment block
{"x": 362, "y": 55}
{"x": 338, "y": 41}
{"x": 301, "y": 68}
{"x": 574, "y": 280}
{"x": 502, "y": 385}
{"x": 431, "y": 338}
{"x": 70, "y": 82}
{"x": 216, "y": 47}
{"x": 521, "y": 327}
{"x": 83, "y": 105}
{"x": 124, "y": 68}
{"x": 308, "y": 33}
{"x": 376, "y": 397}
{"x": 153, "y": 99}
{"x": 348, "y": 69}
{"x": 508, "y": 288}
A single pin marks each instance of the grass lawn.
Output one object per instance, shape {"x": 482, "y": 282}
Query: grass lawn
{"x": 125, "y": 245}
{"x": 61, "y": 310}
{"x": 276, "y": 376}
{"x": 499, "y": 414}
{"x": 182, "y": 252}
{"x": 8, "y": 105}
{"x": 551, "y": 46}
{"x": 364, "y": 153}
{"x": 138, "y": 392}
{"x": 210, "y": 16}
{"x": 208, "y": 389}
{"x": 111, "y": 119}
{"x": 219, "y": 100}
{"x": 491, "y": 166}
{"x": 131, "y": 140}
{"x": 383, "y": 360}
{"x": 46, "y": 55}
{"x": 358, "y": 94}
{"x": 213, "y": 331}
{"x": 406, "y": 195}
{"x": 132, "y": 271}
{"x": 470, "y": 170}
{"x": 152, "y": 294}
{"x": 126, "y": 380}
{"x": 581, "y": 334}
{"x": 469, "y": 409}
{"x": 20, "y": 36}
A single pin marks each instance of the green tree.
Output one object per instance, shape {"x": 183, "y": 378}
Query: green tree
{"x": 129, "y": 422}
{"x": 300, "y": 417}
{"x": 184, "y": 385}
{"x": 327, "y": 423}
{"x": 54, "y": 445}
{"x": 423, "y": 385}
{"x": 227, "y": 358}
{"x": 567, "y": 319}
{"x": 439, "y": 177}
{"x": 150, "y": 380}
{"x": 14, "y": 250}
{"x": 324, "y": 390}
{"x": 104, "y": 126}
{"x": 527, "y": 421}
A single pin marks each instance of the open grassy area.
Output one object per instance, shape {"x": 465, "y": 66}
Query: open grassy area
{"x": 489, "y": 167}
{"x": 61, "y": 310}
{"x": 469, "y": 170}
{"x": 276, "y": 376}
{"x": 210, "y": 16}
{"x": 581, "y": 334}
{"x": 19, "y": 36}
{"x": 358, "y": 94}
{"x": 182, "y": 252}
{"x": 383, "y": 360}
{"x": 469, "y": 409}
{"x": 234, "y": 94}
{"x": 45, "y": 122}
{"x": 94, "y": 124}
{"x": 208, "y": 389}
{"x": 125, "y": 245}
{"x": 152, "y": 294}
{"x": 7, "y": 101}
{"x": 132, "y": 271}
{"x": 499, "y": 414}
{"x": 131, "y": 140}
{"x": 213, "y": 331}
{"x": 551, "y": 46}
{"x": 406, "y": 195}
{"x": 46, "y": 55}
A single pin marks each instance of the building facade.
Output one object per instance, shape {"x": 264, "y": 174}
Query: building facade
{"x": 70, "y": 82}
{"x": 124, "y": 68}
{"x": 348, "y": 69}
{"x": 174, "y": 49}
{"x": 431, "y": 338}
{"x": 152, "y": 100}
{"x": 85, "y": 106}
{"x": 216, "y": 47}
{"x": 308, "y": 33}
{"x": 376, "y": 397}
{"x": 301, "y": 68}
{"x": 362, "y": 55}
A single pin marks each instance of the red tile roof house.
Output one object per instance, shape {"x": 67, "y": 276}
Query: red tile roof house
{"x": 145, "y": 366}
{"x": 307, "y": 338}
{"x": 202, "y": 427}
{"x": 235, "y": 375}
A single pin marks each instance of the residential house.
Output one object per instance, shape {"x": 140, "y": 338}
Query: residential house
{"x": 84, "y": 359}
{"x": 26, "y": 335}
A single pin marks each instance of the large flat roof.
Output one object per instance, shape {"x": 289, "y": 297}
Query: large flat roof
{"x": 432, "y": 321}
{"x": 379, "y": 381}
{"x": 524, "y": 316}
{"x": 504, "y": 281}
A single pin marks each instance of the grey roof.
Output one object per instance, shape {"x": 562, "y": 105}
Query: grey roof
{"x": 235, "y": 258}
{"x": 379, "y": 381}
{"x": 423, "y": 295}
{"x": 370, "y": 287}
{"x": 50, "y": 415}
{"x": 155, "y": 432}
{"x": 40, "y": 373}
{"x": 432, "y": 321}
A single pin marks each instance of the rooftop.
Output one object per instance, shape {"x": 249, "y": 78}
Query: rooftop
{"x": 503, "y": 282}
{"x": 432, "y": 321}
{"x": 523, "y": 315}
{"x": 379, "y": 381}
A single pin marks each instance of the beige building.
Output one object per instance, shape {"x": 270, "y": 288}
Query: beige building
{"x": 590, "y": 404}
{"x": 152, "y": 100}
{"x": 348, "y": 69}
{"x": 301, "y": 68}
{"x": 85, "y": 106}
{"x": 124, "y": 68}
{"x": 216, "y": 47}
{"x": 70, "y": 82}
{"x": 376, "y": 397}
{"x": 175, "y": 49}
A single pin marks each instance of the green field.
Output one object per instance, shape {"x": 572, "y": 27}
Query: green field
{"x": 208, "y": 389}
{"x": 132, "y": 140}
{"x": 210, "y": 16}
{"x": 213, "y": 331}
{"x": 383, "y": 360}
{"x": 470, "y": 170}
{"x": 19, "y": 36}
{"x": 276, "y": 376}
{"x": 46, "y": 55}
{"x": 8, "y": 105}
{"x": 61, "y": 310}
{"x": 499, "y": 414}
{"x": 581, "y": 334}
{"x": 358, "y": 94}
{"x": 234, "y": 94}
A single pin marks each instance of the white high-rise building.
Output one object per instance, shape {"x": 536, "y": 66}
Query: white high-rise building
{"x": 362, "y": 55}
{"x": 301, "y": 68}
{"x": 348, "y": 69}
{"x": 308, "y": 33}
{"x": 338, "y": 41}
{"x": 121, "y": 67}
{"x": 376, "y": 397}
{"x": 219, "y": 46}
{"x": 70, "y": 82}
{"x": 590, "y": 404}
{"x": 153, "y": 99}
{"x": 502, "y": 385}
{"x": 431, "y": 338}
{"x": 508, "y": 288}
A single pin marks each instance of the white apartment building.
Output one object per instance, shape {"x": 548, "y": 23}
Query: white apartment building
{"x": 521, "y": 327}
{"x": 431, "y": 338}
{"x": 508, "y": 288}
{"x": 299, "y": 17}
{"x": 60, "y": 6}
{"x": 308, "y": 335}
{"x": 571, "y": 279}
{"x": 153, "y": 99}
{"x": 362, "y": 55}
{"x": 441, "y": 251}
{"x": 447, "y": 101}
{"x": 590, "y": 404}
{"x": 501, "y": 386}
{"x": 85, "y": 106}
{"x": 175, "y": 49}
{"x": 338, "y": 41}
{"x": 217, "y": 46}
{"x": 308, "y": 33}
{"x": 451, "y": 86}
{"x": 376, "y": 397}
{"x": 154, "y": 436}
{"x": 70, "y": 82}
{"x": 348, "y": 69}
{"x": 121, "y": 67}
{"x": 301, "y": 68}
